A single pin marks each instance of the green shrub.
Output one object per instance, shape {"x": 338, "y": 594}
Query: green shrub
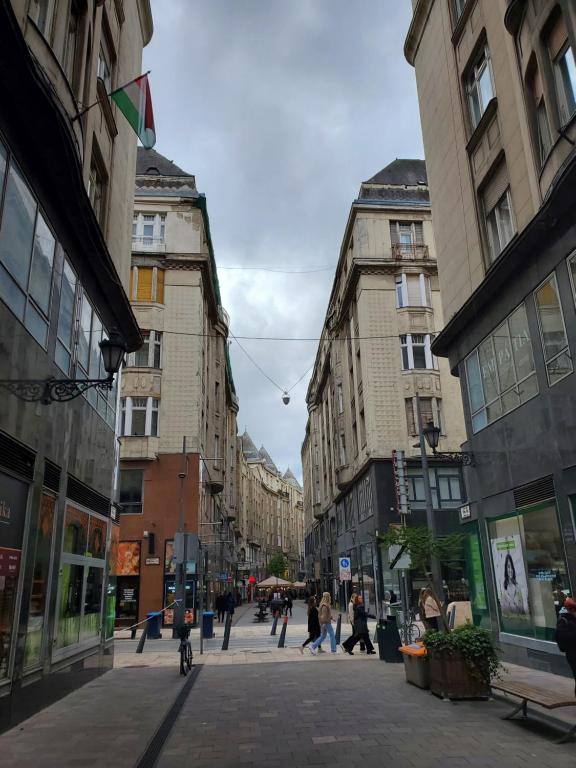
{"x": 473, "y": 644}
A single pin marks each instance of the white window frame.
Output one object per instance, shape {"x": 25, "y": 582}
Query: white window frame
{"x": 430, "y": 359}
{"x": 154, "y": 340}
{"x": 158, "y": 229}
{"x": 473, "y": 79}
{"x": 494, "y": 211}
{"x": 566, "y": 349}
{"x": 402, "y": 299}
{"x": 152, "y": 405}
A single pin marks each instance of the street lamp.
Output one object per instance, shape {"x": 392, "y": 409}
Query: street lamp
{"x": 432, "y": 434}
{"x": 52, "y": 390}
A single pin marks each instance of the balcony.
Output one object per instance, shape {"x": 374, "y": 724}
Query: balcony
{"x": 410, "y": 252}
{"x": 149, "y": 244}
{"x": 344, "y": 476}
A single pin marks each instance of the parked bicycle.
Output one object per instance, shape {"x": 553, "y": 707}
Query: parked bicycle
{"x": 409, "y": 629}
{"x": 185, "y": 649}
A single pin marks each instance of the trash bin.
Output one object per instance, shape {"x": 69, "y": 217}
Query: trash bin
{"x": 389, "y": 641}
{"x": 208, "y": 625}
{"x": 416, "y": 664}
{"x": 154, "y": 625}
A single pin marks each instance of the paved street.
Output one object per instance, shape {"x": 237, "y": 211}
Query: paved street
{"x": 332, "y": 711}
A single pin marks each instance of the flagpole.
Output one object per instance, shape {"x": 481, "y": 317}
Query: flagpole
{"x": 87, "y": 109}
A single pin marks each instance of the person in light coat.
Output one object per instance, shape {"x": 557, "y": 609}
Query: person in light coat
{"x": 429, "y": 609}
{"x": 326, "y": 619}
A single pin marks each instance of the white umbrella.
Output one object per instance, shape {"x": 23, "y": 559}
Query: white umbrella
{"x": 299, "y": 584}
{"x": 274, "y": 581}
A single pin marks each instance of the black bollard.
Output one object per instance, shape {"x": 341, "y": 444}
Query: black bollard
{"x": 283, "y": 632}
{"x": 143, "y": 638}
{"x": 338, "y": 628}
{"x": 227, "y": 632}
{"x": 133, "y": 633}
{"x": 275, "y": 623}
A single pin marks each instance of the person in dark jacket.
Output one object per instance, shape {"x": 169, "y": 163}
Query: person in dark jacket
{"x": 221, "y": 607}
{"x": 360, "y": 630}
{"x": 566, "y": 634}
{"x": 230, "y": 602}
{"x": 313, "y": 623}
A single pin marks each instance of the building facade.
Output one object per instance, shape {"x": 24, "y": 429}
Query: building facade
{"x": 65, "y": 215}
{"x": 375, "y": 357}
{"x": 178, "y": 404}
{"x": 498, "y": 111}
{"x": 271, "y": 514}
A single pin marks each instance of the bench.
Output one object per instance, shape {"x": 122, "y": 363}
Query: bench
{"x": 541, "y": 696}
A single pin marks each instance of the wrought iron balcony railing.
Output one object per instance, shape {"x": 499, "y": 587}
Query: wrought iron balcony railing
{"x": 410, "y": 252}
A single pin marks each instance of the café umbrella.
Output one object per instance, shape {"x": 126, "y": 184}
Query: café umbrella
{"x": 275, "y": 581}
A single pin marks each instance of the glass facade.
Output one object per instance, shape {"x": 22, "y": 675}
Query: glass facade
{"x": 529, "y": 567}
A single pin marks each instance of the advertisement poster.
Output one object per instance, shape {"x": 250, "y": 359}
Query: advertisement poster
{"x": 510, "y": 576}
{"x": 128, "y": 558}
{"x": 169, "y": 562}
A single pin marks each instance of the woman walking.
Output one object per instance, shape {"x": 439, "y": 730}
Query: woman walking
{"x": 361, "y": 633}
{"x": 313, "y": 623}
{"x": 429, "y": 609}
{"x": 325, "y": 618}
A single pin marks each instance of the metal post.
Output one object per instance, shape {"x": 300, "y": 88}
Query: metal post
{"x": 338, "y": 628}
{"x": 282, "y": 638}
{"x": 405, "y": 608}
{"x": 180, "y": 585}
{"x": 430, "y": 519}
{"x": 275, "y": 623}
{"x": 142, "y": 640}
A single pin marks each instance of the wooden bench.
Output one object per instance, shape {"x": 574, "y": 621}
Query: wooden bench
{"x": 541, "y": 696}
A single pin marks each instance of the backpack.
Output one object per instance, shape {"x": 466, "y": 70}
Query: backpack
{"x": 559, "y": 636}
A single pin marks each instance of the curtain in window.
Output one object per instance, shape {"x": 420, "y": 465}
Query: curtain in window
{"x": 144, "y": 291}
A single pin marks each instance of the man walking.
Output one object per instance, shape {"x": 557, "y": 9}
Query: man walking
{"x": 566, "y": 633}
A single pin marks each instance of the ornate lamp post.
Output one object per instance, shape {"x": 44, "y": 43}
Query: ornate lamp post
{"x": 52, "y": 390}
{"x": 432, "y": 434}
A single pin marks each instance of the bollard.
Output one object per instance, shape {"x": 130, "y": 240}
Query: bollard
{"x": 338, "y": 628}
{"x": 143, "y": 638}
{"x": 283, "y": 632}
{"x": 133, "y": 633}
{"x": 274, "y": 624}
{"x": 227, "y": 632}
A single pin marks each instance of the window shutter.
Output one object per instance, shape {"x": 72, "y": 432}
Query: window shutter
{"x": 144, "y": 291}
{"x": 426, "y": 410}
{"x": 160, "y": 287}
{"x": 394, "y": 236}
{"x": 557, "y": 37}
{"x": 419, "y": 232}
{"x": 495, "y": 188}
{"x": 414, "y": 297}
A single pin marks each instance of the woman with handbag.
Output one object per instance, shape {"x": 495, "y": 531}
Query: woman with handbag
{"x": 325, "y": 618}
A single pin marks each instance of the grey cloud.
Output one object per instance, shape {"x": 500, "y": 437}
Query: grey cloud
{"x": 281, "y": 108}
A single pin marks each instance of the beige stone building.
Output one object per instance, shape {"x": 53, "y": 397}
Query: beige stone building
{"x": 375, "y": 357}
{"x": 270, "y": 516}
{"x": 497, "y": 90}
{"x": 65, "y": 216}
{"x": 178, "y": 386}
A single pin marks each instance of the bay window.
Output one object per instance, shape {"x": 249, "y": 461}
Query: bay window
{"x": 413, "y": 291}
{"x": 553, "y": 331}
{"x": 564, "y": 69}
{"x": 479, "y": 86}
{"x": 430, "y": 410}
{"x": 147, "y": 284}
{"x": 139, "y": 416}
{"x": 500, "y": 372}
{"x": 150, "y": 353}
{"x": 148, "y": 231}
{"x": 416, "y": 352}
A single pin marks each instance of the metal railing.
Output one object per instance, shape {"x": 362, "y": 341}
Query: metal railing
{"x": 410, "y": 252}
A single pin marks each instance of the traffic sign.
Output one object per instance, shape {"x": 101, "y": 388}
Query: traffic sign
{"x": 345, "y": 569}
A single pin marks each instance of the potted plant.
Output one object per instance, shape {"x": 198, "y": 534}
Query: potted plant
{"x": 463, "y": 660}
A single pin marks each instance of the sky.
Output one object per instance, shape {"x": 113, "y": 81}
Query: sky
{"x": 280, "y": 108}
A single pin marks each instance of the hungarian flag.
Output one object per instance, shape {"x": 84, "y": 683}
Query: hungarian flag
{"x": 135, "y": 102}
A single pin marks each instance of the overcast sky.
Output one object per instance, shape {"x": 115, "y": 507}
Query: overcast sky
{"x": 281, "y": 108}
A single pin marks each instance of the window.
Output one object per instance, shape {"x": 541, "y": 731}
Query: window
{"x": 70, "y": 46}
{"x": 97, "y": 189}
{"x": 416, "y": 352}
{"x": 131, "y": 490}
{"x": 216, "y": 446}
{"x": 413, "y": 291}
{"x": 150, "y": 353}
{"x": 430, "y": 410}
{"x": 458, "y": 8}
{"x": 500, "y": 372}
{"x": 147, "y": 284}
{"x": 572, "y": 270}
{"x": 552, "y": 331}
{"x": 479, "y": 86}
{"x": 340, "y": 398}
{"x": 543, "y": 128}
{"x": 41, "y": 12}
{"x": 27, "y": 248}
{"x": 564, "y": 68}
{"x": 342, "y": 449}
{"x": 64, "y": 341}
{"x": 139, "y": 416}
{"x": 148, "y": 231}
{"x": 105, "y": 63}
{"x": 497, "y": 202}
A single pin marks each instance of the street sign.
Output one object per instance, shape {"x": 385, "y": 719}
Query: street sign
{"x": 345, "y": 569}
{"x": 401, "y": 482}
{"x": 398, "y": 558}
{"x": 465, "y": 511}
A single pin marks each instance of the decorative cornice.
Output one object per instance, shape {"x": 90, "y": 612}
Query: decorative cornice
{"x": 416, "y": 29}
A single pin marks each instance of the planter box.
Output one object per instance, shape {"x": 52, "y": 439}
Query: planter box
{"x": 417, "y": 670}
{"x": 450, "y": 677}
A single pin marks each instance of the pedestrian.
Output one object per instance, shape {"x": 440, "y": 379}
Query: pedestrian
{"x": 326, "y": 619}
{"x": 289, "y": 604}
{"x": 429, "y": 609}
{"x": 313, "y": 623}
{"x": 230, "y": 604}
{"x": 393, "y": 598}
{"x": 351, "y": 606}
{"x": 220, "y": 606}
{"x": 566, "y": 634}
{"x": 360, "y": 630}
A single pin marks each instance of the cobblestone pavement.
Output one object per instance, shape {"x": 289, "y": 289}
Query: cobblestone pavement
{"x": 344, "y": 715}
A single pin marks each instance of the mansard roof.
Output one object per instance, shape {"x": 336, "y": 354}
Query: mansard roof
{"x": 401, "y": 172}
{"x": 268, "y": 463}
{"x": 290, "y": 478}
{"x": 248, "y": 448}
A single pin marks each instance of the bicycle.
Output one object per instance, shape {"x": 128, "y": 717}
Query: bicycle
{"x": 185, "y": 650}
{"x": 410, "y": 630}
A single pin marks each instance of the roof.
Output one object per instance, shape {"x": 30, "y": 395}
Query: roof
{"x": 268, "y": 463}
{"x": 290, "y": 479}
{"x": 248, "y": 448}
{"x": 152, "y": 163}
{"x": 394, "y": 195}
{"x": 402, "y": 172}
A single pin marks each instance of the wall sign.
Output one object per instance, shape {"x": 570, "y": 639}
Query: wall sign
{"x": 152, "y": 561}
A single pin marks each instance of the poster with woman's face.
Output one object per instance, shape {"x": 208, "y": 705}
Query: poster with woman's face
{"x": 511, "y": 582}
{"x": 128, "y": 558}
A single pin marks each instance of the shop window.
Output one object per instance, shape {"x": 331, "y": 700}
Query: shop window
{"x": 139, "y": 416}
{"x": 40, "y": 583}
{"x": 479, "y": 86}
{"x": 131, "y": 490}
{"x": 27, "y": 248}
{"x": 70, "y": 605}
{"x": 500, "y": 372}
{"x": 553, "y": 331}
{"x": 529, "y": 566}
{"x": 66, "y": 315}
